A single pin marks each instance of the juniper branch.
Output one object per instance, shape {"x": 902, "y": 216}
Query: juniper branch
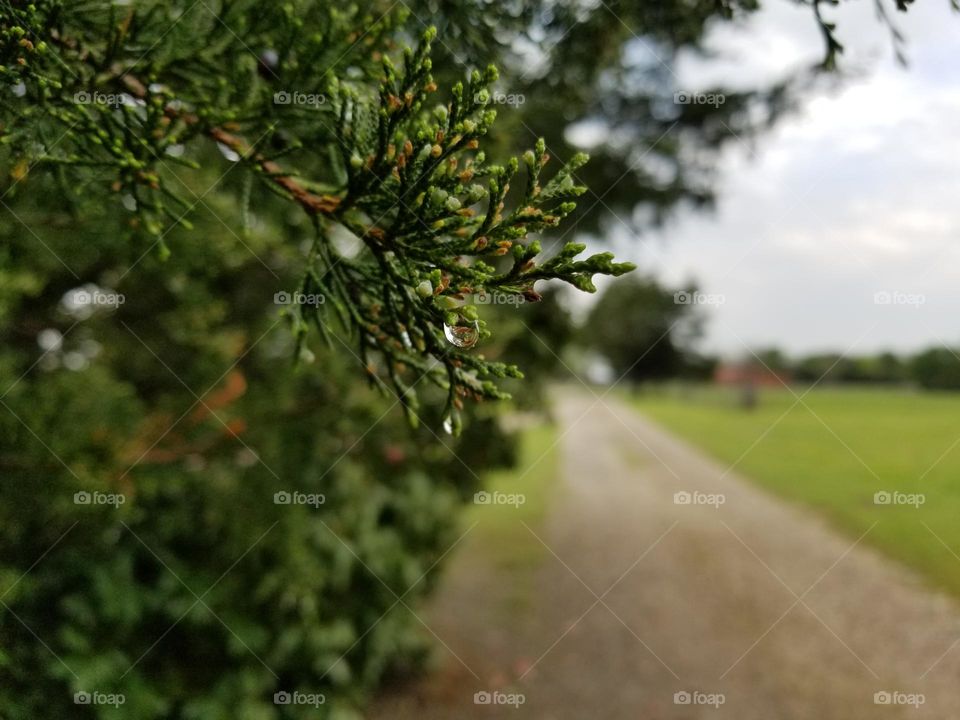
{"x": 407, "y": 176}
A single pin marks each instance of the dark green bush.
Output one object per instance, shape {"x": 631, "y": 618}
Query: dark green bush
{"x": 199, "y": 597}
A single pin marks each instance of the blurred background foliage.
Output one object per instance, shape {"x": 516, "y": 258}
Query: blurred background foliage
{"x": 199, "y": 597}
{"x": 185, "y": 399}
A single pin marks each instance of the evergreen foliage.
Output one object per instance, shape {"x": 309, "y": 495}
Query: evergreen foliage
{"x": 372, "y": 152}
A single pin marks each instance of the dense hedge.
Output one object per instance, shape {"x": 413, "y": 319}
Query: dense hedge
{"x": 199, "y": 597}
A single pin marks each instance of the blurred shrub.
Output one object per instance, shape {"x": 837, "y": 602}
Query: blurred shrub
{"x": 199, "y": 596}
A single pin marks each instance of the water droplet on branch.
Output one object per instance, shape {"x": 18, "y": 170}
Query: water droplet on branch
{"x": 463, "y": 335}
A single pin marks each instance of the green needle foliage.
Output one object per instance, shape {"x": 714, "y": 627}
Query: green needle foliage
{"x": 308, "y": 99}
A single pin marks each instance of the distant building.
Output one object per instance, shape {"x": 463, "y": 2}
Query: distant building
{"x": 750, "y": 373}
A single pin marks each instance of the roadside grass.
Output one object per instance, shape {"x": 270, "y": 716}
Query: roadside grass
{"x": 834, "y": 452}
{"x": 501, "y": 533}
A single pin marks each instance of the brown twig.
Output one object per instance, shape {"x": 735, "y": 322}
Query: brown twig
{"x": 311, "y": 202}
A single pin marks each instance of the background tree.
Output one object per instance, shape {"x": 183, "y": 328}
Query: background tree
{"x": 614, "y": 65}
{"x": 936, "y": 368}
{"x": 643, "y": 329}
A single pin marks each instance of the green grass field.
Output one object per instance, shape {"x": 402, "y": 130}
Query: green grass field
{"x": 501, "y": 526}
{"x": 834, "y": 456}
{"x": 505, "y": 542}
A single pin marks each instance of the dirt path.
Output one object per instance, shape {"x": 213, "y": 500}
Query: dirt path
{"x": 639, "y": 598}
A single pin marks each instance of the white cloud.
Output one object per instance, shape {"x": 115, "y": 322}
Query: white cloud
{"x": 856, "y": 194}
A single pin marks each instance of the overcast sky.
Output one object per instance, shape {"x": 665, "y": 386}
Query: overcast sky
{"x": 856, "y": 195}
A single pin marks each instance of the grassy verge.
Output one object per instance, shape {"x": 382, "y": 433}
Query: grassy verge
{"x": 836, "y": 453}
{"x": 500, "y": 525}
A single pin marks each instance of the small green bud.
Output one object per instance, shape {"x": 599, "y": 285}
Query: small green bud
{"x": 572, "y": 249}
{"x": 475, "y": 193}
{"x": 425, "y": 289}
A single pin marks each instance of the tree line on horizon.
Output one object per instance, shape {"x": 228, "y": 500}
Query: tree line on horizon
{"x": 648, "y": 332}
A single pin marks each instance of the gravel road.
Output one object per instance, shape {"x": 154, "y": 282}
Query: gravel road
{"x": 745, "y": 606}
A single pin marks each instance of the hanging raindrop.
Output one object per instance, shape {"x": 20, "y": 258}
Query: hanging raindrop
{"x": 448, "y": 425}
{"x": 464, "y": 335}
